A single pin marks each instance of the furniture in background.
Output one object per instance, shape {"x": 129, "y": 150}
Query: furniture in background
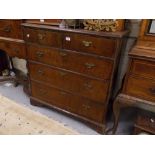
{"x": 12, "y": 43}
{"x": 3, "y": 62}
{"x": 139, "y": 86}
{"x": 73, "y": 70}
{"x": 145, "y": 123}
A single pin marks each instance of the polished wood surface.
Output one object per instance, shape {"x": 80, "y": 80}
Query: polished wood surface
{"x": 11, "y": 28}
{"x": 42, "y": 37}
{"x": 72, "y": 60}
{"x": 11, "y": 38}
{"x": 118, "y": 34}
{"x": 73, "y": 70}
{"x": 67, "y": 80}
{"x": 145, "y": 123}
{"x": 13, "y": 48}
{"x": 70, "y": 70}
{"x": 143, "y": 53}
{"x": 12, "y": 43}
{"x": 68, "y": 101}
{"x": 143, "y": 68}
{"x": 90, "y": 44}
{"x": 140, "y": 87}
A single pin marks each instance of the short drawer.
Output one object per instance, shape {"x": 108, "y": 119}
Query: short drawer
{"x": 10, "y": 28}
{"x": 13, "y": 49}
{"x": 67, "y": 101}
{"x": 143, "y": 68}
{"x": 74, "y": 61}
{"x": 90, "y": 44}
{"x": 141, "y": 87}
{"x": 146, "y": 122}
{"x": 43, "y": 37}
{"x": 87, "y": 87}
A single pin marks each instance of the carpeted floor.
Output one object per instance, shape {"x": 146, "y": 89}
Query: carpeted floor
{"x": 18, "y": 119}
{"x": 16, "y": 93}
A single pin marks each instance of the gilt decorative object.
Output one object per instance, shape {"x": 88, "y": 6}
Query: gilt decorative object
{"x": 109, "y": 25}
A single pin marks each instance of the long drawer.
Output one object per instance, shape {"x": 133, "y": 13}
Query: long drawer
{"x": 13, "y": 48}
{"x": 87, "y": 87}
{"x": 74, "y": 61}
{"x": 143, "y": 68}
{"x": 10, "y": 28}
{"x": 141, "y": 87}
{"x": 43, "y": 37}
{"x": 90, "y": 44}
{"x": 67, "y": 101}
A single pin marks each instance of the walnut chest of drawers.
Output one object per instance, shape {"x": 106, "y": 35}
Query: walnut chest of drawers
{"x": 139, "y": 85}
{"x": 73, "y": 70}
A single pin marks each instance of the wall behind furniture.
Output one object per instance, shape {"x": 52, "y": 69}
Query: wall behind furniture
{"x": 20, "y": 64}
{"x": 133, "y": 25}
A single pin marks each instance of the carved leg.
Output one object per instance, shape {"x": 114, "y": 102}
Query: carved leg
{"x": 101, "y": 129}
{"x": 116, "y": 112}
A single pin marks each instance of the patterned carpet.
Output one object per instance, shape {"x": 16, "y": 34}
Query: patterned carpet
{"x": 16, "y": 119}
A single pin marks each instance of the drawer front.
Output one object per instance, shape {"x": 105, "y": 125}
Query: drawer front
{"x": 75, "y": 83}
{"x": 90, "y": 44}
{"x": 10, "y": 29}
{"x": 89, "y": 65}
{"x": 146, "y": 121}
{"x": 143, "y": 68}
{"x": 43, "y": 37}
{"x": 69, "y": 102}
{"x": 139, "y": 87}
{"x": 13, "y": 49}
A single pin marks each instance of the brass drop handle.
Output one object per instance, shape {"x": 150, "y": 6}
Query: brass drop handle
{"x": 28, "y": 35}
{"x": 63, "y": 74}
{"x": 7, "y": 29}
{"x": 40, "y": 54}
{"x": 63, "y": 54}
{"x": 40, "y": 72}
{"x": 41, "y": 36}
{"x": 85, "y": 106}
{"x": 152, "y": 90}
{"x": 87, "y": 85}
{"x": 152, "y": 120}
{"x": 87, "y": 43}
{"x": 90, "y": 65}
